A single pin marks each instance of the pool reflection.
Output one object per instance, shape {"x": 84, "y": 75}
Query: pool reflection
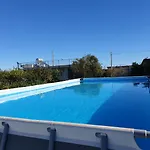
{"x": 143, "y": 85}
{"x": 91, "y": 90}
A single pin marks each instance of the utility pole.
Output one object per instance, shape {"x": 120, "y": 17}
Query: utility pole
{"x": 111, "y": 62}
{"x": 52, "y": 58}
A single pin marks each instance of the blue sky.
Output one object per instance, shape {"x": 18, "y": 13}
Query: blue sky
{"x": 73, "y": 28}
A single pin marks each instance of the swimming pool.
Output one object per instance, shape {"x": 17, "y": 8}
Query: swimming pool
{"x": 97, "y": 102}
{"x": 121, "y": 102}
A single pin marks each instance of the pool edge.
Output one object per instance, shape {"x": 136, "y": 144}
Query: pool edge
{"x": 82, "y": 134}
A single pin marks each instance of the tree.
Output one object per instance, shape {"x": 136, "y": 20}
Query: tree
{"x": 87, "y": 66}
{"x": 136, "y": 69}
{"x": 146, "y": 66}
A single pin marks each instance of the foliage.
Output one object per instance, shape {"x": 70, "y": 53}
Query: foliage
{"x": 55, "y": 75}
{"x": 106, "y": 73}
{"x": 136, "y": 69}
{"x": 115, "y": 72}
{"x": 141, "y": 69}
{"x": 146, "y": 66}
{"x": 118, "y": 72}
{"x": 87, "y": 66}
{"x": 20, "y": 78}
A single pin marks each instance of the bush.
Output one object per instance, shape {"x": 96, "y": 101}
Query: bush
{"x": 20, "y": 78}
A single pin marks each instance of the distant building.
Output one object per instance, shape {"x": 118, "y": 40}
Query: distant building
{"x": 30, "y": 65}
{"x": 65, "y": 70}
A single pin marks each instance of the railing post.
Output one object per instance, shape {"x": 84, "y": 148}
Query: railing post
{"x": 104, "y": 140}
{"x": 51, "y": 138}
{"x": 4, "y": 136}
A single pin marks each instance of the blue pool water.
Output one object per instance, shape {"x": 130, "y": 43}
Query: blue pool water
{"x": 119, "y": 103}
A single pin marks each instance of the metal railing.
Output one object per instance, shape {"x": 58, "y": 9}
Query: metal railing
{"x": 50, "y": 63}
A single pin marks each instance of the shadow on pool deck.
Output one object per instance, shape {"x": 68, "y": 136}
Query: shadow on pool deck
{"x": 125, "y": 109}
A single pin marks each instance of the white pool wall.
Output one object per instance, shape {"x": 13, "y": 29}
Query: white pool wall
{"x": 53, "y": 86}
{"x": 82, "y": 134}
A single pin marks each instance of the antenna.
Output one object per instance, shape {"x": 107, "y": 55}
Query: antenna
{"x": 52, "y": 58}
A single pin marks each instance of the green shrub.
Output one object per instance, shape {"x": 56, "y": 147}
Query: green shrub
{"x": 20, "y": 78}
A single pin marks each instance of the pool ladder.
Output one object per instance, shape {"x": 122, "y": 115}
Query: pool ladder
{"x": 102, "y": 136}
